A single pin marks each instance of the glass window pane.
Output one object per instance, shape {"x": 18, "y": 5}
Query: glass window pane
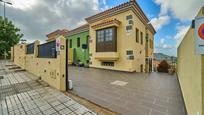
{"x": 105, "y": 35}
{"x": 102, "y": 35}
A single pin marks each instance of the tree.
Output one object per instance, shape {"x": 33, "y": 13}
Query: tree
{"x": 9, "y": 35}
{"x": 163, "y": 66}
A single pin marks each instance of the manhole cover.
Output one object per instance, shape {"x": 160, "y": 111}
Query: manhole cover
{"x": 119, "y": 83}
{"x": 1, "y": 77}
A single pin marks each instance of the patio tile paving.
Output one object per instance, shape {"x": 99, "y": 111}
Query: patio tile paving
{"x": 136, "y": 94}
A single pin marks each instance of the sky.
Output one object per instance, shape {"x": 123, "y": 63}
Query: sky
{"x": 36, "y": 18}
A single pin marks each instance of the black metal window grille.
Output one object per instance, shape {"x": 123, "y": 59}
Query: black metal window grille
{"x": 30, "y": 49}
{"x": 47, "y": 50}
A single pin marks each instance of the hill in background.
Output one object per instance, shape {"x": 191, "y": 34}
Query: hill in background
{"x": 161, "y": 56}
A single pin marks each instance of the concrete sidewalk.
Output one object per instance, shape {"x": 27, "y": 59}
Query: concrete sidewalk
{"x": 22, "y": 93}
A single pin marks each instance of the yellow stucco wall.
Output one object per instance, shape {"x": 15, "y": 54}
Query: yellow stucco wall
{"x": 51, "y": 70}
{"x": 189, "y": 74}
{"x": 19, "y": 55}
{"x": 202, "y": 80}
{"x": 70, "y": 56}
{"x": 125, "y": 41}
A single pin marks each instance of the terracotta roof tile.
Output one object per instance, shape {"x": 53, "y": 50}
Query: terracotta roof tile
{"x": 109, "y": 10}
{"x": 131, "y": 5}
{"x": 114, "y": 21}
{"x": 57, "y": 32}
{"x": 82, "y": 28}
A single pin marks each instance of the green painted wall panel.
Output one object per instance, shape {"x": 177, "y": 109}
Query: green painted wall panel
{"x": 78, "y": 52}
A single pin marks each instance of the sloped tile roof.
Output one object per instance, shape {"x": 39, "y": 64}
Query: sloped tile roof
{"x": 80, "y": 29}
{"x": 131, "y": 5}
{"x": 57, "y": 32}
{"x": 114, "y": 21}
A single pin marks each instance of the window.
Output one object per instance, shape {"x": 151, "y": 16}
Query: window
{"x": 129, "y": 17}
{"x": 129, "y": 52}
{"x": 106, "y": 39}
{"x": 100, "y": 36}
{"x": 107, "y": 63}
{"x": 47, "y": 50}
{"x": 105, "y": 35}
{"x": 147, "y": 37}
{"x": 141, "y": 68}
{"x": 128, "y": 28}
{"x": 78, "y": 42}
{"x": 109, "y": 34}
{"x": 30, "y": 48}
{"x": 141, "y": 38}
{"x": 87, "y": 40}
{"x": 70, "y": 43}
{"x": 137, "y": 35}
{"x": 131, "y": 57}
{"x": 147, "y": 61}
{"x": 130, "y": 22}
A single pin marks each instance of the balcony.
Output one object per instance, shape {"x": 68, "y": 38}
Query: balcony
{"x": 107, "y": 56}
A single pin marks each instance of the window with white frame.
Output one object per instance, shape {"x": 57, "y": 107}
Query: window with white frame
{"x": 109, "y": 34}
{"x": 100, "y": 36}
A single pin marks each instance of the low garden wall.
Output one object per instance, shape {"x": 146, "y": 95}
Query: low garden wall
{"x": 44, "y": 61}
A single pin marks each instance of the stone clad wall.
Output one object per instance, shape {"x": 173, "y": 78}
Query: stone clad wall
{"x": 51, "y": 70}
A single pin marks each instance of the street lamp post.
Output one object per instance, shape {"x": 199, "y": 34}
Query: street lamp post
{"x": 4, "y": 2}
{"x": 9, "y": 3}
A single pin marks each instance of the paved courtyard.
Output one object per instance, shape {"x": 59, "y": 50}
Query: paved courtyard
{"x": 129, "y": 93}
{"x": 22, "y": 93}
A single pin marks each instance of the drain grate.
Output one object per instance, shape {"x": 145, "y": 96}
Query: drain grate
{"x": 1, "y": 77}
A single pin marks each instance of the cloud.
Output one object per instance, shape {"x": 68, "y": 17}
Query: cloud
{"x": 104, "y": 2}
{"x": 159, "y": 22}
{"x": 23, "y": 4}
{"x": 181, "y": 9}
{"x": 181, "y": 31}
{"x": 40, "y": 17}
{"x": 162, "y": 41}
{"x": 167, "y": 46}
{"x": 163, "y": 46}
{"x": 103, "y": 5}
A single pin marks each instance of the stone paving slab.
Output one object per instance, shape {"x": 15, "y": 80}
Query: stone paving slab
{"x": 142, "y": 94}
{"x": 22, "y": 94}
